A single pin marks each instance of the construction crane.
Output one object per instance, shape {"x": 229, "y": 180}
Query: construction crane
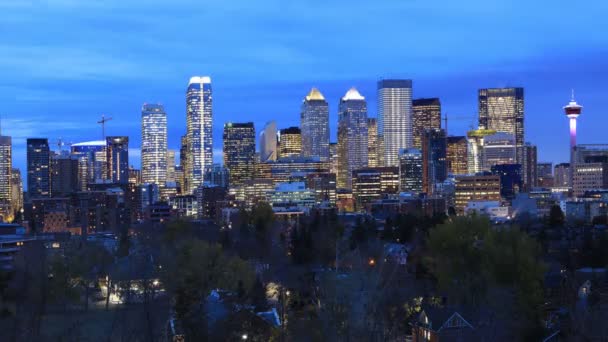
{"x": 457, "y": 118}
{"x": 102, "y": 122}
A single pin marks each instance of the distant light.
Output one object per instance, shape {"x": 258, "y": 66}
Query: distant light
{"x": 372, "y": 262}
{"x": 244, "y": 337}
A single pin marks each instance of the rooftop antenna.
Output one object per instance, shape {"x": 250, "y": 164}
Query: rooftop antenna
{"x": 102, "y": 122}
{"x": 572, "y": 94}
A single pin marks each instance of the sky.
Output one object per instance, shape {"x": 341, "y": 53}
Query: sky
{"x": 64, "y": 63}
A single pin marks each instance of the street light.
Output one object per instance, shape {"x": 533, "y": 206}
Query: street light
{"x": 244, "y": 337}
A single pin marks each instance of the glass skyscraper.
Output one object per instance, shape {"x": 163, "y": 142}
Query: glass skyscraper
{"x": 290, "y": 142}
{"x": 199, "y": 135}
{"x": 117, "y": 156}
{"x": 6, "y": 169}
{"x": 239, "y": 152}
{"x": 268, "y": 143}
{"x": 502, "y": 110}
{"x": 154, "y": 144}
{"x": 38, "y": 168}
{"x": 315, "y": 125}
{"x": 395, "y": 118}
{"x": 352, "y": 137}
{"x": 434, "y": 165}
{"x": 426, "y": 114}
{"x": 410, "y": 170}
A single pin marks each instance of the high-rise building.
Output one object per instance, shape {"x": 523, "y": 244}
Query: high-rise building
{"x": 154, "y": 144}
{"x": 323, "y": 184}
{"x": 426, "y": 114}
{"x": 352, "y": 136}
{"x": 502, "y": 110}
{"x": 511, "y": 180}
{"x": 544, "y": 175}
{"x": 373, "y": 148}
{"x": 333, "y": 158}
{"x": 268, "y": 143}
{"x": 498, "y": 149}
{"x": 314, "y": 121}
{"x": 475, "y": 188}
{"x": 239, "y": 151}
{"x": 6, "y": 170}
{"x": 572, "y": 111}
{"x": 589, "y": 176}
{"x": 285, "y": 169}
{"x": 562, "y": 175}
{"x": 290, "y": 142}
{"x": 16, "y": 191}
{"x": 38, "y": 168}
{"x": 218, "y": 175}
{"x": 199, "y": 131}
{"x": 475, "y": 149}
{"x": 92, "y": 162}
{"x": 171, "y": 177}
{"x": 434, "y": 166}
{"x": 64, "y": 175}
{"x": 529, "y": 171}
{"x": 117, "y": 156}
{"x": 370, "y": 184}
{"x": 135, "y": 176}
{"x": 457, "y": 155}
{"x": 410, "y": 170}
{"x": 395, "y": 118}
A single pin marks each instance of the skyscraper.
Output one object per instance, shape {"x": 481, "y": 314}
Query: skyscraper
{"x": 475, "y": 149}
{"x": 117, "y": 156}
{"x": 426, "y": 114}
{"x": 434, "y": 168}
{"x": 333, "y": 158}
{"x": 373, "y": 149}
{"x": 290, "y": 142}
{"x": 38, "y": 168}
{"x": 502, "y": 110}
{"x": 268, "y": 142}
{"x": 6, "y": 170}
{"x": 199, "y": 134}
{"x": 410, "y": 170}
{"x": 394, "y": 118}
{"x": 239, "y": 152}
{"x": 511, "y": 180}
{"x": 457, "y": 155}
{"x": 16, "y": 191}
{"x": 529, "y": 167}
{"x": 64, "y": 175}
{"x": 352, "y": 136}
{"x": 562, "y": 175}
{"x": 499, "y": 148}
{"x": 314, "y": 121}
{"x": 572, "y": 111}
{"x": 171, "y": 177}
{"x": 154, "y": 144}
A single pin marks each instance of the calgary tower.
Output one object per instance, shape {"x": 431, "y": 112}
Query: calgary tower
{"x": 572, "y": 110}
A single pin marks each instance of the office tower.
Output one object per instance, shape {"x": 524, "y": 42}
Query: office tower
{"x": 590, "y": 176}
{"x": 314, "y": 121}
{"x": 457, "y": 155}
{"x": 171, "y": 166}
{"x": 217, "y": 174}
{"x": 183, "y": 163}
{"x": 370, "y": 184}
{"x": 117, "y": 156}
{"x": 38, "y": 168}
{"x": 16, "y": 191}
{"x": 544, "y": 175}
{"x": 6, "y": 170}
{"x": 475, "y": 188}
{"x": 562, "y": 175}
{"x": 64, "y": 175}
{"x": 285, "y": 169}
{"x": 475, "y": 149}
{"x": 323, "y": 184}
{"x": 499, "y": 148}
{"x": 268, "y": 143}
{"x": 92, "y": 163}
{"x": 511, "y": 180}
{"x": 352, "y": 136}
{"x": 239, "y": 151}
{"x": 290, "y": 142}
{"x": 154, "y": 144}
{"x": 502, "y": 110}
{"x": 395, "y": 118}
{"x": 529, "y": 171}
{"x": 199, "y": 130}
{"x": 135, "y": 176}
{"x": 426, "y": 114}
{"x": 572, "y": 111}
{"x": 434, "y": 168}
{"x": 410, "y": 170}
{"x": 333, "y": 158}
{"x": 372, "y": 143}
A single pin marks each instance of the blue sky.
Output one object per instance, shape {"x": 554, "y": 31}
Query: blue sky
{"x": 65, "y": 62}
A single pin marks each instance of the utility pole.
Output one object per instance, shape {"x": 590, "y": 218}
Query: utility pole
{"x": 102, "y": 122}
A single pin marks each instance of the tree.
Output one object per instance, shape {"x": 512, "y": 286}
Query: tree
{"x": 556, "y": 216}
{"x": 262, "y": 217}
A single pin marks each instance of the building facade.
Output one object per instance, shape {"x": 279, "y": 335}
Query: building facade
{"x": 410, "y": 170}
{"x": 199, "y": 131}
{"x": 395, "y": 118}
{"x": 426, "y": 115}
{"x": 268, "y": 143}
{"x": 290, "y": 142}
{"x": 475, "y": 188}
{"x": 64, "y": 175}
{"x": 352, "y": 136}
{"x": 6, "y": 171}
{"x": 38, "y": 168}
{"x": 314, "y": 121}
{"x": 370, "y": 184}
{"x": 434, "y": 166}
{"x": 239, "y": 151}
{"x": 588, "y": 177}
{"x": 562, "y": 175}
{"x": 154, "y": 144}
{"x": 117, "y": 156}
{"x": 457, "y": 155}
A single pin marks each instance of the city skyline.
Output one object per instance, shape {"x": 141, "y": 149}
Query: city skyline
{"x": 69, "y": 87}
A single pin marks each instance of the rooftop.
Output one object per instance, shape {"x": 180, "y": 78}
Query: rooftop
{"x": 91, "y": 143}
{"x": 352, "y": 94}
{"x": 315, "y": 94}
{"x": 199, "y": 79}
